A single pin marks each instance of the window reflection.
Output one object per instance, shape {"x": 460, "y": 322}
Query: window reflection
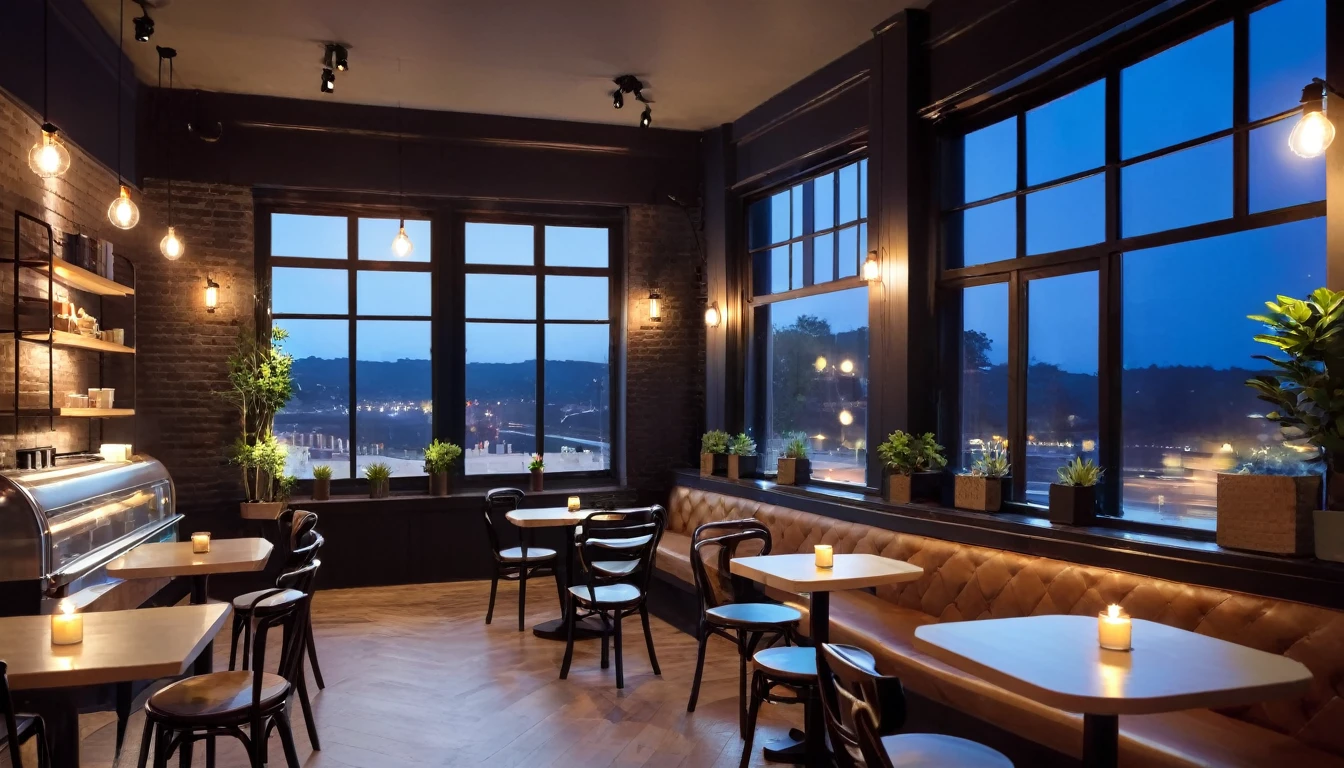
{"x": 501, "y": 385}
{"x": 578, "y": 398}
{"x": 315, "y": 425}
{"x": 394, "y": 396}
{"x": 984, "y": 370}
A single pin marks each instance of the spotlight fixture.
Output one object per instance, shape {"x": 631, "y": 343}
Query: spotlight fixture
{"x": 655, "y": 307}
{"x": 340, "y": 57}
{"x": 646, "y": 119}
{"x": 328, "y": 80}
{"x": 144, "y": 25}
{"x": 1314, "y": 132}
{"x": 872, "y": 268}
{"x": 211, "y": 295}
{"x": 712, "y": 315}
{"x": 617, "y": 99}
{"x": 632, "y": 85}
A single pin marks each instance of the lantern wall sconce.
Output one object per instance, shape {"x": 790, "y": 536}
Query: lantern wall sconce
{"x": 872, "y": 268}
{"x": 655, "y": 307}
{"x": 712, "y": 315}
{"x": 211, "y": 295}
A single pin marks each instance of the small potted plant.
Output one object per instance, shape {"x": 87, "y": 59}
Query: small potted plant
{"x": 741, "y": 457}
{"x": 321, "y": 482}
{"x": 439, "y": 460}
{"x": 379, "y": 475}
{"x": 912, "y": 463}
{"x": 1073, "y": 500}
{"x": 537, "y": 466}
{"x": 1266, "y": 504}
{"x": 981, "y": 489}
{"x": 794, "y": 467}
{"x": 713, "y": 450}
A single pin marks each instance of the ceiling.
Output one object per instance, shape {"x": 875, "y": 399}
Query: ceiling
{"x": 705, "y": 62}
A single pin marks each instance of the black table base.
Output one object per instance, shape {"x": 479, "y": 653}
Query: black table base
{"x": 1101, "y": 741}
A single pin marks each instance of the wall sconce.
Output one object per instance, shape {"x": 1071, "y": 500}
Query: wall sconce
{"x": 211, "y": 295}
{"x": 1314, "y": 132}
{"x": 872, "y": 268}
{"x": 655, "y": 305}
{"x": 712, "y": 315}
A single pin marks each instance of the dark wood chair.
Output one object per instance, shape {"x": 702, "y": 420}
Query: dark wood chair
{"x": 518, "y": 563}
{"x": 861, "y": 705}
{"x": 729, "y": 606}
{"x": 247, "y": 705}
{"x": 616, "y": 552}
{"x": 20, "y": 728}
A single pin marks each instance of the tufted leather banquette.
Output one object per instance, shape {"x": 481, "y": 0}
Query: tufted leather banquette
{"x": 962, "y": 582}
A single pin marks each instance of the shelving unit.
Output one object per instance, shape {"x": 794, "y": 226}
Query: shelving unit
{"x": 66, "y": 339}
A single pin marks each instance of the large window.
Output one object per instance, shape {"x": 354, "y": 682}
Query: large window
{"x": 1101, "y": 250}
{"x": 810, "y": 322}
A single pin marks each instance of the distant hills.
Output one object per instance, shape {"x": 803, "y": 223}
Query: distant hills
{"x": 323, "y": 381}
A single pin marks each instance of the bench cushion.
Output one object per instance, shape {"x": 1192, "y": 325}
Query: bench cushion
{"x": 674, "y": 556}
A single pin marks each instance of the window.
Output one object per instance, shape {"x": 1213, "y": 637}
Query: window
{"x": 1163, "y": 248}
{"x": 810, "y": 234}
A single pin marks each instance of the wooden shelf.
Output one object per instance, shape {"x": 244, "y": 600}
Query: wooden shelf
{"x": 84, "y": 280}
{"x": 64, "y": 339}
{"x": 96, "y": 413}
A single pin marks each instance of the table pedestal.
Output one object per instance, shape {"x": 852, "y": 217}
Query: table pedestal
{"x": 205, "y": 663}
{"x": 1101, "y": 741}
{"x": 587, "y": 628}
{"x": 808, "y": 747}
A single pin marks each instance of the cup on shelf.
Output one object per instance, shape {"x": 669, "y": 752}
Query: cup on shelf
{"x": 115, "y": 335}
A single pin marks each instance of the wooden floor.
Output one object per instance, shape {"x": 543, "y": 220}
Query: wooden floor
{"x": 415, "y": 677}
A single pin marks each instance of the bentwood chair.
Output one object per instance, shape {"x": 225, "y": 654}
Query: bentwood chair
{"x": 616, "y": 552}
{"x": 20, "y": 728}
{"x": 728, "y": 607}
{"x": 247, "y": 705}
{"x": 518, "y": 563}
{"x": 861, "y": 705}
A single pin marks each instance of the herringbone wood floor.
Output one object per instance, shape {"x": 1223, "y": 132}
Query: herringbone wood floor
{"x": 415, "y": 677}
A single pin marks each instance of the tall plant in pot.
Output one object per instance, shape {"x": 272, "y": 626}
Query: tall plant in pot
{"x": 537, "y": 466}
{"x": 912, "y": 463}
{"x": 981, "y": 488}
{"x": 379, "y": 475}
{"x": 261, "y": 382}
{"x": 713, "y": 452}
{"x": 1073, "y": 500}
{"x": 741, "y": 457}
{"x": 321, "y": 482}
{"x": 439, "y": 460}
{"x": 1307, "y": 392}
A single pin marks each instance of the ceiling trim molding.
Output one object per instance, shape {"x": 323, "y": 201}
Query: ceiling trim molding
{"x": 440, "y": 139}
{"x": 856, "y": 80}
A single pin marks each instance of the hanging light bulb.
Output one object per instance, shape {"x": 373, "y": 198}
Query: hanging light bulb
{"x": 1314, "y": 131}
{"x": 401, "y": 244}
{"x": 49, "y": 158}
{"x": 123, "y": 212}
{"x": 171, "y": 246}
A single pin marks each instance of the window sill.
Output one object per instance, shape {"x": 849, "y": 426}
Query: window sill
{"x": 556, "y": 496}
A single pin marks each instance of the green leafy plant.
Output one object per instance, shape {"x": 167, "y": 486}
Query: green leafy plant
{"x": 263, "y": 465}
{"x": 742, "y": 445}
{"x": 1080, "y": 472}
{"x": 537, "y": 464}
{"x": 377, "y": 472}
{"x": 906, "y": 454}
{"x": 1277, "y": 460}
{"x": 285, "y": 487}
{"x": 261, "y": 382}
{"x": 321, "y": 472}
{"x": 715, "y": 441}
{"x": 440, "y": 456}
{"x": 796, "y": 447}
{"x": 992, "y": 461}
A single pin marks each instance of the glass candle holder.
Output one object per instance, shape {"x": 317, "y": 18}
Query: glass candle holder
{"x": 825, "y": 554}
{"x": 573, "y": 504}
{"x": 1114, "y": 629}
{"x": 67, "y": 627}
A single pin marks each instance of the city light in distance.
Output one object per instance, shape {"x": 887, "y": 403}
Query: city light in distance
{"x": 846, "y": 418}
{"x": 846, "y": 366}
{"x": 820, "y": 365}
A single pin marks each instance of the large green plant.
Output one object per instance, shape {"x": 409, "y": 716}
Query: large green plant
{"x": 715, "y": 441}
{"x": 440, "y": 456}
{"x": 906, "y": 454}
{"x": 261, "y": 382}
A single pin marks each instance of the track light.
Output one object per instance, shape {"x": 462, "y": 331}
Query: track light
{"x": 144, "y": 26}
{"x": 341, "y": 57}
{"x": 328, "y": 80}
{"x": 617, "y": 100}
{"x": 646, "y": 119}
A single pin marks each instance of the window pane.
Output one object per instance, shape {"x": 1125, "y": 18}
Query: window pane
{"x": 1179, "y": 94}
{"x": 376, "y": 236}
{"x": 1068, "y": 216}
{"x": 394, "y": 293}
{"x": 847, "y": 247}
{"x": 501, "y": 382}
{"x": 501, "y": 297}
{"x": 1187, "y": 355}
{"x": 1279, "y": 177}
{"x": 990, "y": 161}
{"x": 984, "y": 370}
{"x": 309, "y": 291}
{"x": 576, "y": 246}
{"x": 1287, "y": 51}
{"x": 819, "y": 381}
{"x": 823, "y": 259}
{"x": 578, "y": 398}
{"x": 779, "y": 269}
{"x": 1061, "y": 378}
{"x": 989, "y": 233}
{"x": 823, "y": 202}
{"x": 849, "y": 193}
{"x": 1189, "y": 187}
{"x": 796, "y": 257}
{"x": 576, "y": 298}
{"x": 318, "y": 237}
{"x": 315, "y": 424}
{"x": 863, "y": 188}
{"x": 499, "y": 244}
{"x": 796, "y": 195}
{"x": 395, "y": 398}
{"x": 1067, "y": 135}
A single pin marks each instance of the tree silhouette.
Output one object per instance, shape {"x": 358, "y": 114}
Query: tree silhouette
{"x": 975, "y": 346}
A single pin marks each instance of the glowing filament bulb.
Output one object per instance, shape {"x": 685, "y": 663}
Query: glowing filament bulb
{"x": 1312, "y": 134}
{"x": 171, "y": 245}
{"x": 401, "y": 244}
{"x": 49, "y": 158}
{"x": 123, "y": 212}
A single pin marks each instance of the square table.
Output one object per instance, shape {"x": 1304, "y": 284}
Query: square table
{"x": 1057, "y": 661}
{"x": 799, "y": 574}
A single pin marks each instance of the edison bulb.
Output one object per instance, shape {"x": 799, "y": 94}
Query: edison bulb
{"x": 1312, "y": 135}
{"x": 401, "y": 244}
{"x": 123, "y": 212}
{"x": 171, "y": 246}
{"x": 49, "y": 158}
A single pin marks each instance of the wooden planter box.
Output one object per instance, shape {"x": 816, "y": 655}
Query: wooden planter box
{"x": 536, "y": 480}
{"x": 1267, "y": 513}
{"x": 378, "y": 489}
{"x": 1073, "y": 504}
{"x": 321, "y": 488}
{"x": 439, "y": 483}
{"x": 1329, "y": 534}
{"x": 261, "y": 510}
{"x": 794, "y": 471}
{"x": 919, "y": 486}
{"x": 978, "y": 493}
{"x": 741, "y": 466}
{"x": 706, "y": 464}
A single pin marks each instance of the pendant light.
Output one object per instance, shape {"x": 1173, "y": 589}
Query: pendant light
{"x": 171, "y": 246}
{"x": 48, "y": 158}
{"x": 401, "y": 244}
{"x": 123, "y": 212}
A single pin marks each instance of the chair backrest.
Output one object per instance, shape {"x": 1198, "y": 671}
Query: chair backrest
{"x": 303, "y": 522}
{"x": 720, "y": 542}
{"x": 288, "y": 610}
{"x": 621, "y": 535}
{"x": 302, "y": 578}
{"x": 499, "y": 502}
{"x": 11, "y": 722}
{"x": 859, "y": 705}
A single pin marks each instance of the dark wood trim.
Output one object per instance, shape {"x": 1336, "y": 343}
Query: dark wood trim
{"x": 1334, "y": 156}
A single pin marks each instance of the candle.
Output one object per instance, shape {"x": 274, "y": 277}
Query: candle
{"x": 67, "y": 627}
{"x": 1114, "y": 629}
{"x": 200, "y": 543}
{"x": 573, "y": 503}
{"x": 825, "y": 556}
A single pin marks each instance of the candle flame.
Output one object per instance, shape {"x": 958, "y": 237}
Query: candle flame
{"x": 1113, "y": 611}
{"x": 65, "y": 606}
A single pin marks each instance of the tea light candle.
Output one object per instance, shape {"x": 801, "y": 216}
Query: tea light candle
{"x": 200, "y": 543}
{"x": 1114, "y": 629}
{"x": 573, "y": 503}
{"x": 67, "y": 627}
{"x": 825, "y": 556}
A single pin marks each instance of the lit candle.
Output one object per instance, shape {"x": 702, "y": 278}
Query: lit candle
{"x": 200, "y": 543}
{"x": 573, "y": 503}
{"x": 1114, "y": 629}
{"x": 825, "y": 556}
{"x": 67, "y": 627}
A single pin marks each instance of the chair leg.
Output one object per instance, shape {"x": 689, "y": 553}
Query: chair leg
{"x": 702, "y": 636}
{"x": 184, "y": 754}
{"x": 145, "y": 739}
{"x": 522, "y": 580}
{"x": 756, "y": 695}
{"x": 616, "y": 639}
{"x": 569, "y": 638}
{"x": 233, "y": 640}
{"x": 287, "y": 740}
{"x": 494, "y": 586}
{"x": 312, "y": 657}
{"x": 606, "y": 639}
{"x": 308, "y": 715}
{"x": 648, "y": 638}
{"x": 247, "y": 641}
{"x": 161, "y": 745}
{"x": 742, "y": 703}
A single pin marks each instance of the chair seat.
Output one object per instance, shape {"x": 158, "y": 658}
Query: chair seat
{"x": 753, "y": 615}
{"x": 216, "y": 695}
{"x": 616, "y": 568}
{"x": 534, "y": 554}
{"x": 932, "y": 750}
{"x": 627, "y": 542}
{"x": 610, "y": 594}
{"x": 795, "y": 663}
{"x": 244, "y": 602}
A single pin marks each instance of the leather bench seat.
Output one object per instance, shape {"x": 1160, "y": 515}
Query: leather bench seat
{"x": 674, "y": 556}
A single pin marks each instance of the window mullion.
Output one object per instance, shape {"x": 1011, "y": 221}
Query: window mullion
{"x": 1017, "y": 383}
{"x": 352, "y": 263}
{"x": 1241, "y": 139}
{"x": 1021, "y": 199}
{"x": 539, "y": 257}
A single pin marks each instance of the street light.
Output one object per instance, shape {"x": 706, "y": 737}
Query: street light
{"x": 1314, "y": 131}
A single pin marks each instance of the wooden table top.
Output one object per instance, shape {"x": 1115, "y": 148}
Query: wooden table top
{"x": 175, "y": 558}
{"x": 799, "y": 573}
{"x": 555, "y": 517}
{"x": 1057, "y": 661}
{"x": 118, "y": 647}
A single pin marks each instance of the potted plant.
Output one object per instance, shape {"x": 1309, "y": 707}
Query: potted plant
{"x": 379, "y": 476}
{"x": 261, "y": 382}
{"x": 1267, "y": 502}
{"x": 981, "y": 489}
{"x": 1305, "y": 392}
{"x": 321, "y": 482}
{"x": 741, "y": 457}
{"x": 536, "y": 467}
{"x": 439, "y": 460}
{"x": 912, "y": 463}
{"x": 794, "y": 467}
{"x": 1073, "y": 500}
{"x": 713, "y": 450}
